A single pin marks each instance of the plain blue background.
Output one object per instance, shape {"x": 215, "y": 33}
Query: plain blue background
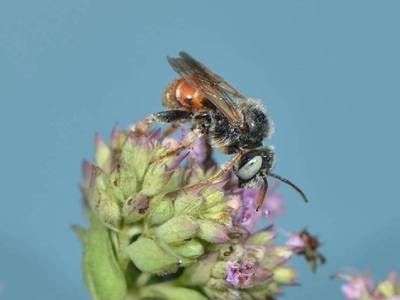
{"x": 327, "y": 70}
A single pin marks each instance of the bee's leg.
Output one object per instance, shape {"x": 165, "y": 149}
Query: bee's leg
{"x": 226, "y": 167}
{"x": 171, "y": 129}
{"x": 168, "y": 116}
{"x": 187, "y": 142}
{"x": 177, "y": 117}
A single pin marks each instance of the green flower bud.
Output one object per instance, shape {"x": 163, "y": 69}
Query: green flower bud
{"x": 118, "y": 138}
{"x": 104, "y": 199}
{"x": 217, "y": 290}
{"x": 189, "y": 249}
{"x": 261, "y": 238}
{"x": 200, "y": 272}
{"x": 283, "y": 251}
{"x": 386, "y": 288}
{"x": 135, "y": 158}
{"x": 219, "y": 270}
{"x": 103, "y": 187}
{"x": 154, "y": 180}
{"x": 127, "y": 182}
{"x": 215, "y": 207}
{"x": 86, "y": 187}
{"x": 213, "y": 197}
{"x": 102, "y": 154}
{"x": 173, "y": 180}
{"x": 221, "y": 217}
{"x": 135, "y": 208}
{"x": 167, "y": 292}
{"x": 162, "y": 209}
{"x": 284, "y": 275}
{"x": 149, "y": 257}
{"x": 188, "y": 204}
{"x": 177, "y": 229}
{"x": 219, "y": 284}
{"x": 213, "y": 232}
{"x": 110, "y": 214}
{"x": 238, "y": 253}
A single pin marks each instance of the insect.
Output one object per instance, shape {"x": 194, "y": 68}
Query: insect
{"x": 231, "y": 122}
{"x": 310, "y": 251}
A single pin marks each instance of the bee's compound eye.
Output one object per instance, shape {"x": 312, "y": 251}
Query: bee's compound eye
{"x": 250, "y": 168}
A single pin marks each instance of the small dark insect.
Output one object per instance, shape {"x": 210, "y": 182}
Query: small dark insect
{"x": 228, "y": 120}
{"x": 310, "y": 252}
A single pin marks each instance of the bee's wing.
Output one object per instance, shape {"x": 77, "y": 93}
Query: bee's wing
{"x": 217, "y": 90}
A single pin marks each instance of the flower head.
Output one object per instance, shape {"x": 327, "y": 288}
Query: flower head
{"x": 142, "y": 220}
{"x": 357, "y": 287}
{"x": 361, "y": 286}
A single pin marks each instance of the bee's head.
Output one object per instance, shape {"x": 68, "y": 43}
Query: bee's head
{"x": 254, "y": 166}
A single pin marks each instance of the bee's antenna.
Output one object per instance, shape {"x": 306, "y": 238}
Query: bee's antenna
{"x": 288, "y": 182}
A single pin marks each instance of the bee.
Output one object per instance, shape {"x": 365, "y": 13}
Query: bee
{"x": 229, "y": 121}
